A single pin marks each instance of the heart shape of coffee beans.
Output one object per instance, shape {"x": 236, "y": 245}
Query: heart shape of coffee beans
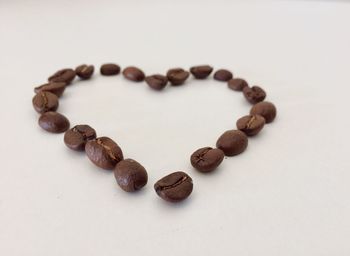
{"x": 106, "y": 153}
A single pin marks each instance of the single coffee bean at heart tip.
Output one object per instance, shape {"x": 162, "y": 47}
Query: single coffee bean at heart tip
{"x": 134, "y": 74}
{"x": 104, "y": 152}
{"x": 174, "y": 187}
{"x": 56, "y": 88}
{"x": 251, "y": 124}
{"x": 45, "y": 101}
{"x": 109, "y": 69}
{"x": 207, "y": 159}
{"x": 157, "y": 81}
{"x": 237, "y": 84}
{"x": 130, "y": 175}
{"x": 177, "y": 76}
{"x": 54, "y": 122}
{"x": 65, "y": 75}
{"x": 223, "y": 75}
{"x": 201, "y": 72}
{"x": 77, "y": 137}
{"x": 232, "y": 142}
{"x": 84, "y": 71}
{"x": 254, "y": 94}
{"x": 266, "y": 110}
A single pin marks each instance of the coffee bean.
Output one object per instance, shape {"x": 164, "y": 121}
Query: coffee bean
{"x": 109, "y": 69}
{"x": 134, "y": 74}
{"x": 237, "y": 84}
{"x": 207, "y": 159}
{"x": 84, "y": 71}
{"x": 223, "y": 75}
{"x": 156, "y": 82}
{"x": 174, "y": 187}
{"x": 45, "y": 101}
{"x": 54, "y": 122}
{"x": 232, "y": 142}
{"x": 265, "y": 109}
{"x": 130, "y": 175}
{"x": 251, "y": 124}
{"x": 177, "y": 76}
{"x": 64, "y": 75}
{"x": 77, "y": 137}
{"x": 55, "y": 88}
{"x": 254, "y": 94}
{"x": 104, "y": 152}
{"x": 201, "y": 72}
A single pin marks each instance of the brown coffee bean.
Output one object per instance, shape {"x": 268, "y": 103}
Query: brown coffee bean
{"x": 177, "y": 76}
{"x": 232, "y": 142}
{"x": 130, "y": 175}
{"x": 156, "y": 82}
{"x": 64, "y": 75}
{"x": 110, "y": 69}
{"x": 254, "y": 94}
{"x": 85, "y": 71}
{"x": 265, "y": 109}
{"x": 237, "y": 84}
{"x": 174, "y": 187}
{"x": 134, "y": 74}
{"x": 201, "y": 72}
{"x": 223, "y": 75}
{"x": 251, "y": 124}
{"x": 45, "y": 101}
{"x": 55, "y": 88}
{"x": 104, "y": 152}
{"x": 54, "y": 122}
{"x": 207, "y": 159}
{"x": 77, "y": 137}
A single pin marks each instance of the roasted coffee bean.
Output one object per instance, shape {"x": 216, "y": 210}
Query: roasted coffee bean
{"x": 64, "y": 75}
{"x": 84, "y": 71}
{"x": 156, "y": 82}
{"x": 223, "y": 75}
{"x": 207, "y": 159}
{"x": 134, "y": 74}
{"x": 77, "y": 137}
{"x": 109, "y": 69}
{"x": 265, "y": 109}
{"x": 44, "y": 102}
{"x": 130, "y": 175}
{"x": 177, "y": 76}
{"x": 237, "y": 84}
{"x": 254, "y": 94}
{"x": 174, "y": 187}
{"x": 104, "y": 152}
{"x": 54, "y": 122}
{"x": 251, "y": 124}
{"x": 232, "y": 142}
{"x": 201, "y": 72}
{"x": 55, "y": 88}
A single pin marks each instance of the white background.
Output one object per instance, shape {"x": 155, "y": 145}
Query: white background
{"x": 288, "y": 194}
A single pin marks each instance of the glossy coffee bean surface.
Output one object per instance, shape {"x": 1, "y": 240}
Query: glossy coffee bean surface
{"x": 207, "y": 159}
{"x": 130, "y": 175}
{"x": 54, "y": 122}
{"x": 174, "y": 187}
{"x": 104, "y": 152}
{"x": 77, "y": 137}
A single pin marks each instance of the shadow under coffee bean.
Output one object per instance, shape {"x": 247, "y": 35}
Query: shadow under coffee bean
{"x": 105, "y": 153}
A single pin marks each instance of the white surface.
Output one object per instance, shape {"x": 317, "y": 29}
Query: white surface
{"x": 288, "y": 194}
